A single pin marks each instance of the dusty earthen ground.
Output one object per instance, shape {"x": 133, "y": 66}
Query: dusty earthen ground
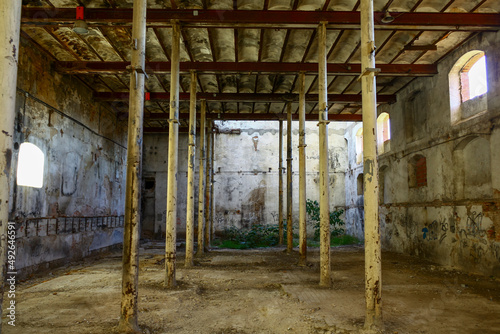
{"x": 257, "y": 291}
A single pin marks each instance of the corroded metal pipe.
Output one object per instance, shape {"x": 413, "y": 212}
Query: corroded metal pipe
{"x": 201, "y": 181}
{"x": 173, "y": 139}
{"x": 212, "y": 185}
{"x": 190, "y": 176}
{"x": 373, "y": 266}
{"x": 302, "y": 171}
{"x": 280, "y": 184}
{"x": 289, "y": 180}
{"x": 207, "y": 186}
{"x": 130, "y": 274}
{"x": 10, "y": 12}
{"x": 324, "y": 201}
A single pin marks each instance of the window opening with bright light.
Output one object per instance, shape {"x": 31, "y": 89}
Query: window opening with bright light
{"x": 473, "y": 78}
{"x": 30, "y": 166}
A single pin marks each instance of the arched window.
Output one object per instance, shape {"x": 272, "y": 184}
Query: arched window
{"x": 383, "y": 132}
{"x": 359, "y": 146}
{"x": 30, "y": 166}
{"x": 473, "y": 81}
{"x": 468, "y": 86}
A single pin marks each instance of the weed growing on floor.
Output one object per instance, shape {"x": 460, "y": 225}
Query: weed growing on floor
{"x": 341, "y": 240}
{"x": 257, "y": 236}
{"x": 336, "y": 223}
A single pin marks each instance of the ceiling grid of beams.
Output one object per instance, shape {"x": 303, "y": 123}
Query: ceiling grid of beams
{"x": 248, "y": 54}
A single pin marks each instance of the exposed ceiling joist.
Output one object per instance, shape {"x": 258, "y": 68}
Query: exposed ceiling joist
{"x": 265, "y": 18}
{"x": 246, "y": 97}
{"x": 82, "y": 67}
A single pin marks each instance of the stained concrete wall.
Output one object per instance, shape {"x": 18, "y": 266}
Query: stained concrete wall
{"x": 246, "y": 173}
{"x": 455, "y": 218}
{"x": 84, "y": 148}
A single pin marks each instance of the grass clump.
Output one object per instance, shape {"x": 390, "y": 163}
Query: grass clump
{"x": 257, "y": 236}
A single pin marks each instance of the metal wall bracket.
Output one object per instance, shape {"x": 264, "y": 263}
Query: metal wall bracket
{"x": 369, "y": 70}
{"x": 135, "y": 71}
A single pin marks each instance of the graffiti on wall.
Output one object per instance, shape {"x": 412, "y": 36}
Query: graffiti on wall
{"x": 474, "y": 227}
{"x": 436, "y": 230}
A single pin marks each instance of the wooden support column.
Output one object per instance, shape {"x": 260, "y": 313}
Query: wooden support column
{"x": 130, "y": 273}
{"x": 324, "y": 201}
{"x": 173, "y": 140}
{"x": 280, "y": 184}
{"x": 190, "y": 177}
{"x": 10, "y": 25}
{"x": 373, "y": 267}
{"x": 302, "y": 172}
{"x": 201, "y": 181}
{"x": 207, "y": 187}
{"x": 289, "y": 180}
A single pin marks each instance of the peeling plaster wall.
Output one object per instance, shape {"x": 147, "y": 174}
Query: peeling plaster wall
{"x": 85, "y": 156}
{"x": 246, "y": 173}
{"x": 455, "y": 218}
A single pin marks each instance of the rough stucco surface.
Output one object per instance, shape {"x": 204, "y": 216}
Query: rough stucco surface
{"x": 84, "y": 165}
{"x": 455, "y": 219}
{"x": 246, "y": 173}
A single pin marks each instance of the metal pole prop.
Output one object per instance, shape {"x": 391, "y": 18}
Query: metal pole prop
{"x": 324, "y": 200}
{"x": 289, "y": 180}
{"x": 173, "y": 139}
{"x": 201, "y": 182}
{"x": 373, "y": 266}
{"x": 302, "y": 172}
{"x": 10, "y": 25}
{"x": 190, "y": 177}
{"x": 280, "y": 184}
{"x": 130, "y": 274}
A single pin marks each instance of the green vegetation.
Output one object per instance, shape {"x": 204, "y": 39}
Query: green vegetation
{"x": 336, "y": 223}
{"x": 268, "y": 235}
{"x": 257, "y": 236}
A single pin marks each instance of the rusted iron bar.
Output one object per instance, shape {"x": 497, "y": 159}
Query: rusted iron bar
{"x": 10, "y": 12}
{"x": 373, "y": 265}
{"x": 280, "y": 184}
{"x": 289, "y": 181}
{"x": 201, "y": 181}
{"x": 302, "y": 172}
{"x": 247, "y": 97}
{"x": 265, "y": 18}
{"x": 208, "y": 185}
{"x": 173, "y": 140}
{"x": 190, "y": 176}
{"x": 324, "y": 201}
{"x": 107, "y": 67}
{"x": 212, "y": 186}
{"x": 250, "y": 117}
{"x": 130, "y": 267}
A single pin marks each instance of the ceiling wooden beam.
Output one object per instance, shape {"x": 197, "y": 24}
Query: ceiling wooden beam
{"x": 265, "y": 18}
{"x": 246, "y": 97}
{"x": 96, "y": 67}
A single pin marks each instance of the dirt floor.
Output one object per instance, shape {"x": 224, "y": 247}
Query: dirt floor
{"x": 257, "y": 291}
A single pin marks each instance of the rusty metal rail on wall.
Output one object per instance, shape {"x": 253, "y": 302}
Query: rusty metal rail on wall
{"x": 45, "y": 226}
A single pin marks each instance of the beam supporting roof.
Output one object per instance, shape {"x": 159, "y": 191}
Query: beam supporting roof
{"x": 247, "y": 97}
{"x": 96, "y": 67}
{"x": 265, "y": 18}
{"x": 253, "y": 117}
